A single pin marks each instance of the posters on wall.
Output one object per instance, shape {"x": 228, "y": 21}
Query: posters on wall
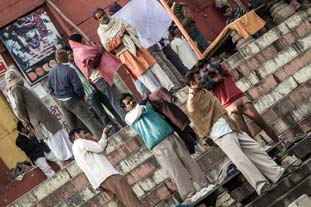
{"x": 3, "y": 69}
{"x": 32, "y": 41}
{"x": 3, "y": 66}
{"x": 3, "y": 85}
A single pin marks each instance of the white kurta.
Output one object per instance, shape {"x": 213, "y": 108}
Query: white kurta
{"x": 184, "y": 51}
{"x": 89, "y": 156}
{"x": 58, "y": 143}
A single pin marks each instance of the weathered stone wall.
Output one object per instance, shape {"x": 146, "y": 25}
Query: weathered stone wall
{"x": 274, "y": 71}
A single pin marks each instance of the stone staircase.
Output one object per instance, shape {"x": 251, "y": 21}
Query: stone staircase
{"x": 294, "y": 185}
{"x": 69, "y": 187}
{"x": 235, "y": 190}
{"x": 275, "y": 72}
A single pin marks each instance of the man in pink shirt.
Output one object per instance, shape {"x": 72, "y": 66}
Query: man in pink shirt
{"x": 220, "y": 82}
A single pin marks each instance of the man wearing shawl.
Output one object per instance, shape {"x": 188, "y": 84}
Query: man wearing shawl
{"x": 165, "y": 57}
{"x": 33, "y": 114}
{"x": 119, "y": 37}
{"x": 99, "y": 67}
{"x": 211, "y": 121}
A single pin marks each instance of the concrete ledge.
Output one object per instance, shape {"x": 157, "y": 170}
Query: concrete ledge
{"x": 266, "y": 40}
{"x": 45, "y": 188}
{"x": 301, "y": 149}
{"x": 284, "y": 186}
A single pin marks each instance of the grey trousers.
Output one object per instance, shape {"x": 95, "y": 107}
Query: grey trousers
{"x": 77, "y": 108}
{"x": 175, "y": 60}
{"x": 166, "y": 65}
{"x": 249, "y": 157}
{"x": 113, "y": 95}
{"x": 174, "y": 158}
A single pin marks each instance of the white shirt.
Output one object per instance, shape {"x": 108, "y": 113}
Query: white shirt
{"x": 184, "y": 51}
{"x": 219, "y": 129}
{"x": 89, "y": 156}
{"x": 134, "y": 114}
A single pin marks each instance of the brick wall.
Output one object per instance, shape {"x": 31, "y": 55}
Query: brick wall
{"x": 275, "y": 73}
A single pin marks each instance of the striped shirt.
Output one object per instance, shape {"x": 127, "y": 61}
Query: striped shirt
{"x": 89, "y": 90}
{"x": 236, "y": 13}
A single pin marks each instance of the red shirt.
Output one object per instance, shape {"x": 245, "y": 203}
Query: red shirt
{"x": 227, "y": 91}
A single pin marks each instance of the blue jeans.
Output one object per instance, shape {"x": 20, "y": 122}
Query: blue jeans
{"x": 141, "y": 88}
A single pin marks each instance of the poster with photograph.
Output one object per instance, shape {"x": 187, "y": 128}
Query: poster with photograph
{"x": 3, "y": 66}
{"x": 32, "y": 41}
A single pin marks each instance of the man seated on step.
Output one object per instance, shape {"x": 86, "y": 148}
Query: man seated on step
{"x": 90, "y": 157}
{"x": 38, "y": 152}
{"x": 165, "y": 145}
{"x": 211, "y": 121}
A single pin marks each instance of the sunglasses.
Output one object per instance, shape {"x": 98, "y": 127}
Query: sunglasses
{"x": 128, "y": 102}
{"x": 100, "y": 16}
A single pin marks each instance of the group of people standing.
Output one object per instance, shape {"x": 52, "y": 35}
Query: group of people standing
{"x": 84, "y": 76}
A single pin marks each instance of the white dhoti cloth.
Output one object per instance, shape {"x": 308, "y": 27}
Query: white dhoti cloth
{"x": 59, "y": 143}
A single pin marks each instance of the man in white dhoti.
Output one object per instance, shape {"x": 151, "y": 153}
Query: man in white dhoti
{"x": 33, "y": 114}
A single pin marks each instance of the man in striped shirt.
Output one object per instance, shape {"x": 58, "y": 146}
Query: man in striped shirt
{"x": 94, "y": 98}
{"x": 232, "y": 14}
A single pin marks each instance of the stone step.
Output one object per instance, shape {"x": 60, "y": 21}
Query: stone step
{"x": 143, "y": 175}
{"x": 302, "y": 188}
{"x": 287, "y": 106}
{"x": 65, "y": 191}
{"x": 144, "y": 185}
{"x": 137, "y": 167}
{"x": 302, "y": 201}
{"x": 276, "y": 65}
{"x": 302, "y": 127}
{"x": 68, "y": 196}
{"x": 269, "y": 38}
{"x": 284, "y": 122}
{"x": 285, "y": 186}
{"x": 302, "y": 149}
{"x": 242, "y": 192}
{"x": 41, "y": 191}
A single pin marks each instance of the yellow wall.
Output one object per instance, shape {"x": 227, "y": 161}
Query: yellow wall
{"x": 9, "y": 152}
